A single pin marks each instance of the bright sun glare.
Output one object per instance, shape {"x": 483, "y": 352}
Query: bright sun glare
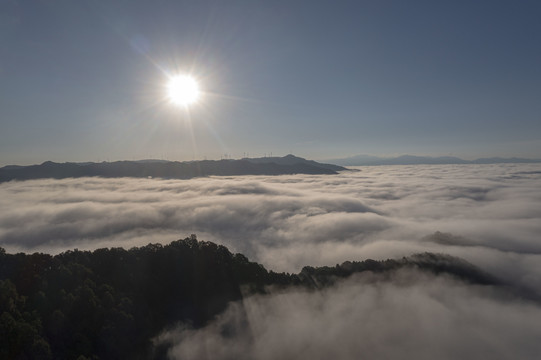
{"x": 183, "y": 90}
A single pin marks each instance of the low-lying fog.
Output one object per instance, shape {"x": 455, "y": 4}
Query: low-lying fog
{"x": 489, "y": 215}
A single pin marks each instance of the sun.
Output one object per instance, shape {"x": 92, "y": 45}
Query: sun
{"x": 183, "y": 90}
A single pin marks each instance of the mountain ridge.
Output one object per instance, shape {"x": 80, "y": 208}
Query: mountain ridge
{"x": 286, "y": 165}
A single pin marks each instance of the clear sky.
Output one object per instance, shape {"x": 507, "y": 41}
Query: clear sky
{"x": 85, "y": 80}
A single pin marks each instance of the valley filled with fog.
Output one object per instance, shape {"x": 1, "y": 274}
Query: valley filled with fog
{"x": 489, "y": 215}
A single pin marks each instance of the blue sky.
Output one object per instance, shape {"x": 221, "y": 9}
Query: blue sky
{"x": 86, "y": 80}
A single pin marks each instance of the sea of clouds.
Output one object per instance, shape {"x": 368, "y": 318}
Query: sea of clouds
{"x": 411, "y": 316}
{"x": 489, "y": 215}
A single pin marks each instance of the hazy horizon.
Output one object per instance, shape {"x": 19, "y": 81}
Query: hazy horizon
{"x": 87, "y": 80}
{"x": 267, "y": 155}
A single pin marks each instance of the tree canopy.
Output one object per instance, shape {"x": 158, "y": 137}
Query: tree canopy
{"x": 109, "y": 303}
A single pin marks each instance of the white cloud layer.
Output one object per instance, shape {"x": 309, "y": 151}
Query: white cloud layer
{"x": 489, "y": 215}
{"x": 411, "y": 316}
{"x": 286, "y": 222}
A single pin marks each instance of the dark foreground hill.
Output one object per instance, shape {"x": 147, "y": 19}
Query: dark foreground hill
{"x": 169, "y": 169}
{"x": 110, "y": 303}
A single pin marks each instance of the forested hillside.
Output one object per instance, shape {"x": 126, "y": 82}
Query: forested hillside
{"x": 110, "y": 303}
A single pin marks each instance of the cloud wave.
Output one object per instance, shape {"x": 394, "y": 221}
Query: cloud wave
{"x": 489, "y": 215}
{"x": 411, "y": 316}
{"x": 492, "y": 213}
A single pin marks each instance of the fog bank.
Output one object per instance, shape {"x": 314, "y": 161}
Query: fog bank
{"x": 488, "y": 214}
{"x": 411, "y": 316}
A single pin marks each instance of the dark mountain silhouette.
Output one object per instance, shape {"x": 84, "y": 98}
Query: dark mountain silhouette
{"x": 293, "y": 160}
{"x": 369, "y": 160}
{"x": 110, "y": 303}
{"x": 169, "y": 169}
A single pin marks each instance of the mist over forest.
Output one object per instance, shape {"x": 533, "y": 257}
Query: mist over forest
{"x": 487, "y": 216}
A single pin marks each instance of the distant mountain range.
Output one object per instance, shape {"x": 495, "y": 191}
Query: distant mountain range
{"x": 367, "y": 160}
{"x": 289, "y": 164}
